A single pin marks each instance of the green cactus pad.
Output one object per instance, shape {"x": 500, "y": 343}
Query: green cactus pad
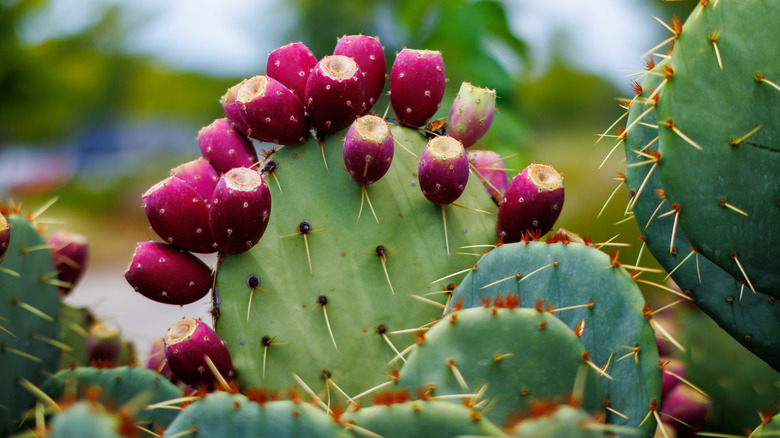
{"x": 752, "y": 319}
{"x": 564, "y": 422}
{"x": 770, "y": 429}
{"x": 120, "y": 386}
{"x": 28, "y": 329}
{"x": 523, "y": 356}
{"x": 345, "y": 268}
{"x": 221, "y": 415}
{"x": 423, "y": 419}
{"x": 728, "y": 194}
{"x": 616, "y": 331}
{"x": 88, "y": 420}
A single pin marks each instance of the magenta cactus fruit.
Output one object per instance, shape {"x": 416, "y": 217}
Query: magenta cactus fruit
{"x": 167, "y": 274}
{"x": 272, "y": 111}
{"x": 225, "y": 147}
{"x": 417, "y": 84}
{"x": 70, "y": 252}
{"x": 240, "y": 209}
{"x": 688, "y": 406}
{"x": 443, "y": 170}
{"x": 103, "y": 343}
{"x": 669, "y": 381}
{"x": 199, "y": 174}
{"x": 179, "y": 215}
{"x": 471, "y": 114}
{"x": 291, "y": 65}
{"x": 157, "y": 360}
{"x": 5, "y": 236}
{"x": 531, "y": 204}
{"x": 368, "y": 149}
{"x": 369, "y": 55}
{"x": 334, "y": 93}
{"x": 233, "y": 108}
{"x": 189, "y": 347}
{"x": 491, "y": 171}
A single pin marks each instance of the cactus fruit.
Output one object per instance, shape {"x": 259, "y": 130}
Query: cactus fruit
{"x": 200, "y": 174}
{"x": 179, "y": 215}
{"x": 471, "y": 114}
{"x": 197, "y": 355}
{"x": 225, "y": 147}
{"x": 167, "y": 274}
{"x": 103, "y": 344}
{"x": 291, "y": 65}
{"x": 719, "y": 124}
{"x": 334, "y": 93}
{"x": 368, "y": 149}
{"x": 5, "y": 235}
{"x": 417, "y": 82}
{"x": 272, "y": 111}
{"x": 232, "y": 108}
{"x": 443, "y": 170}
{"x": 531, "y": 204}
{"x": 71, "y": 253}
{"x": 688, "y": 410}
{"x": 505, "y": 354}
{"x": 157, "y": 361}
{"x": 239, "y": 210}
{"x": 491, "y": 171}
{"x": 369, "y": 55}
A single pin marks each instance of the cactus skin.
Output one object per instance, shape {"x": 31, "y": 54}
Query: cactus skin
{"x": 187, "y": 345}
{"x": 5, "y": 236}
{"x": 564, "y": 422}
{"x": 272, "y": 111}
{"x": 240, "y": 210}
{"x": 471, "y": 114}
{"x": 167, "y": 274}
{"x": 714, "y": 108}
{"x": 225, "y": 147}
{"x": 751, "y": 319}
{"x": 531, "y": 204}
{"x": 200, "y": 174}
{"x": 71, "y": 254}
{"x": 514, "y": 351}
{"x": 491, "y": 171}
{"x": 443, "y": 170}
{"x": 368, "y": 149}
{"x": 232, "y": 108}
{"x": 369, "y": 55}
{"x": 345, "y": 268}
{"x": 423, "y": 419}
{"x": 220, "y": 415}
{"x": 291, "y": 65}
{"x": 768, "y": 428}
{"x": 417, "y": 82}
{"x": 179, "y": 215}
{"x": 573, "y": 274}
{"x": 26, "y": 336}
{"x": 89, "y": 419}
{"x": 335, "y": 93}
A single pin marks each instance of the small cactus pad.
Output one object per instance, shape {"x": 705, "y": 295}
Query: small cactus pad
{"x": 563, "y": 422}
{"x": 719, "y": 134}
{"x": 89, "y": 419}
{"x": 593, "y": 295}
{"x": 510, "y": 353}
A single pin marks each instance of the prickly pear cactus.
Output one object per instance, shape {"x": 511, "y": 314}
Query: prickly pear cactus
{"x": 594, "y": 296}
{"x": 90, "y": 419}
{"x": 29, "y": 346}
{"x": 719, "y": 135}
{"x": 563, "y": 422}
{"x": 328, "y": 285}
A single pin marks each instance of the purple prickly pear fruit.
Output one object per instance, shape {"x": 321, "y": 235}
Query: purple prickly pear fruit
{"x": 417, "y": 84}
{"x": 369, "y": 55}
{"x": 103, "y": 344}
{"x": 240, "y": 209}
{"x": 226, "y": 147}
{"x": 669, "y": 381}
{"x": 179, "y": 215}
{"x": 272, "y": 111}
{"x": 70, "y": 252}
{"x": 291, "y": 65}
{"x": 368, "y": 149}
{"x": 199, "y": 174}
{"x": 233, "y": 108}
{"x": 188, "y": 344}
{"x": 443, "y": 170}
{"x": 532, "y": 203}
{"x": 471, "y": 114}
{"x": 334, "y": 93}
{"x": 5, "y": 236}
{"x": 167, "y": 274}
{"x": 689, "y": 406}
{"x": 157, "y": 361}
{"x": 491, "y": 172}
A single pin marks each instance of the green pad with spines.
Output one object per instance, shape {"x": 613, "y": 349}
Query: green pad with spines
{"x": 614, "y": 325}
{"x": 86, "y": 420}
{"x": 118, "y": 387}
{"x": 345, "y": 269}
{"x": 711, "y": 106}
{"x": 522, "y": 355}
{"x": 423, "y": 419}
{"x": 770, "y": 429}
{"x": 564, "y": 422}
{"x": 752, "y": 319}
{"x": 27, "y": 351}
{"x": 221, "y": 415}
